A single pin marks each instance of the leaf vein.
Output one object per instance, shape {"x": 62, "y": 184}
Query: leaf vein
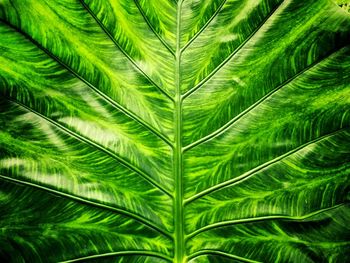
{"x": 257, "y": 169}
{"x": 226, "y": 126}
{"x": 108, "y": 100}
{"x": 97, "y": 146}
{"x": 262, "y": 218}
{"x": 219, "y": 253}
{"x": 164, "y": 92}
{"x": 90, "y": 202}
{"x": 217, "y": 11}
{"x": 223, "y": 63}
{"x": 152, "y": 28}
{"x": 120, "y": 253}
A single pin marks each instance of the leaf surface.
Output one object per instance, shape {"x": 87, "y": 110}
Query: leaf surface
{"x": 181, "y": 131}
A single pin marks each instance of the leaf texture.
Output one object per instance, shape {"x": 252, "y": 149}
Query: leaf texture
{"x": 174, "y": 131}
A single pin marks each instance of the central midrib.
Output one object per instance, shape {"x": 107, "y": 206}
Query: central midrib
{"x": 179, "y": 256}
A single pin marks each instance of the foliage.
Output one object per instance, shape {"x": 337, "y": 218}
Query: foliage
{"x": 190, "y": 131}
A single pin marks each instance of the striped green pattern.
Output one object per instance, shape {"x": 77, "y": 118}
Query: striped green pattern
{"x": 174, "y": 131}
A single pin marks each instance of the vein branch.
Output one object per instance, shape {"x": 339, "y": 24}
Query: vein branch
{"x": 89, "y": 202}
{"x": 120, "y": 254}
{"x": 262, "y": 218}
{"x": 204, "y": 252}
{"x": 103, "y": 96}
{"x": 97, "y": 146}
{"x": 103, "y": 27}
{"x": 217, "y": 11}
{"x": 152, "y": 28}
{"x": 229, "y": 124}
{"x": 223, "y": 63}
{"x": 259, "y": 168}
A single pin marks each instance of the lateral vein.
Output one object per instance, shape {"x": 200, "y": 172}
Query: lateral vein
{"x": 164, "y": 92}
{"x": 223, "y": 63}
{"x": 255, "y": 170}
{"x": 119, "y": 253}
{"x": 108, "y": 100}
{"x": 217, "y": 11}
{"x": 262, "y": 218}
{"x": 152, "y": 28}
{"x": 220, "y": 253}
{"x": 97, "y": 146}
{"x": 89, "y": 202}
{"x": 225, "y": 127}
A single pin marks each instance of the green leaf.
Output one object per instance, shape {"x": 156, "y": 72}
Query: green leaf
{"x": 174, "y": 131}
